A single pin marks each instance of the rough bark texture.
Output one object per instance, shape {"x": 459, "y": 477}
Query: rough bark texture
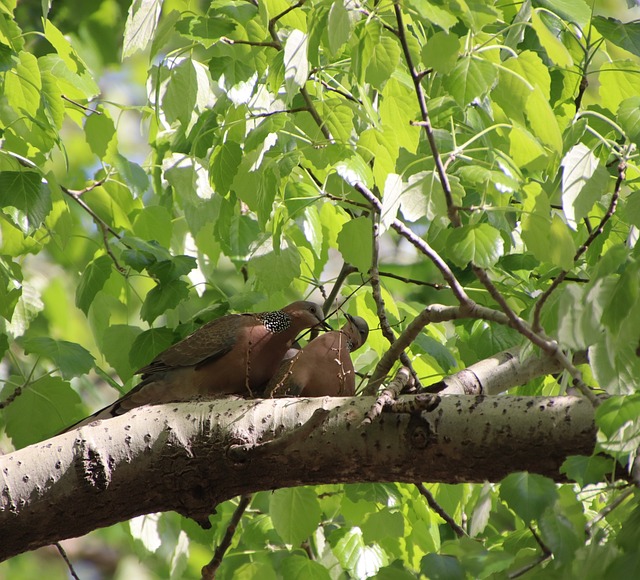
{"x": 188, "y": 457}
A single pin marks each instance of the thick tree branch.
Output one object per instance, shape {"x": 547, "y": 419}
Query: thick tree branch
{"x": 175, "y": 456}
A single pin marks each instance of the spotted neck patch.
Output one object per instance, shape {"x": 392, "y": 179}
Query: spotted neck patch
{"x": 276, "y": 321}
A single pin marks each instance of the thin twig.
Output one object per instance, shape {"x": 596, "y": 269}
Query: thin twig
{"x": 266, "y": 43}
{"x": 376, "y": 291}
{"x": 286, "y": 11}
{"x": 105, "y": 228}
{"x": 271, "y": 113}
{"x": 209, "y": 571}
{"x": 436, "y": 507}
{"x": 340, "y": 92}
{"x": 604, "y": 512}
{"x": 432, "y": 313}
{"x": 452, "y": 212}
{"x": 67, "y": 561}
{"x": 81, "y": 106}
{"x": 414, "y": 281}
{"x": 584, "y": 247}
{"x": 545, "y": 555}
{"x": 342, "y": 276}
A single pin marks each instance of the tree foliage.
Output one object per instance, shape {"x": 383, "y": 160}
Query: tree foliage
{"x": 477, "y": 155}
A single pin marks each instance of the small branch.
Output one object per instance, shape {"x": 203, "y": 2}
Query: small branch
{"x": 271, "y": 113}
{"x": 286, "y": 11}
{"x": 436, "y": 507}
{"x": 81, "y": 106}
{"x": 421, "y": 245}
{"x": 546, "y": 554}
{"x": 452, "y": 212}
{"x": 266, "y": 43}
{"x": 342, "y": 276}
{"x": 584, "y": 83}
{"x": 314, "y": 113}
{"x": 432, "y": 313}
{"x": 58, "y": 545}
{"x": 105, "y": 228}
{"x": 604, "y": 512}
{"x": 209, "y": 571}
{"x": 342, "y": 93}
{"x": 343, "y": 200}
{"x": 388, "y": 396}
{"x": 381, "y": 310}
{"x": 413, "y": 281}
{"x": 584, "y": 247}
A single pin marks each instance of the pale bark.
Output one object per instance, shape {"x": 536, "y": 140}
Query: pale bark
{"x": 188, "y": 457}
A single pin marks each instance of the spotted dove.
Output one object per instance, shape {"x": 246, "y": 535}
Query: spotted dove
{"x": 234, "y": 354}
{"x": 323, "y": 367}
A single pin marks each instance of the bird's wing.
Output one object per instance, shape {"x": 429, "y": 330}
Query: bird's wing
{"x": 208, "y": 343}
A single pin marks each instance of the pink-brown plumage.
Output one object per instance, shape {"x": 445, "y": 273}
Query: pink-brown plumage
{"x": 235, "y": 354}
{"x": 323, "y": 367}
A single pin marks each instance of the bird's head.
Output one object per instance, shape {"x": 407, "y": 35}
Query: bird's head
{"x": 357, "y": 330}
{"x": 305, "y": 314}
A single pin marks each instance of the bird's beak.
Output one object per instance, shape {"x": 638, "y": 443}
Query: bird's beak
{"x": 325, "y": 325}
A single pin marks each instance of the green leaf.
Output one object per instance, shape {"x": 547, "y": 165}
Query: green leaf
{"x": 432, "y": 12}
{"x": 528, "y": 494}
{"x": 22, "y": 87}
{"x": 166, "y": 271}
{"x": 295, "y": 513}
{"x": 562, "y": 248}
{"x": 442, "y": 567}
{"x": 578, "y": 325}
{"x": 553, "y": 46}
{"x": 390, "y": 200}
{"x": 296, "y": 63}
{"x": 629, "y": 118}
{"x": 339, "y": 26}
{"x": 296, "y": 567}
{"x": 479, "y": 243}
{"x": 382, "y": 524}
{"x": 623, "y": 34}
{"x": 423, "y": 196}
{"x": 441, "y": 52}
{"x": 224, "y": 165}
{"x": 117, "y": 343}
{"x": 132, "y": 174}
{"x": 92, "y": 281}
{"x": 559, "y": 536}
{"x": 72, "y": 359}
{"x": 577, "y": 11}
{"x": 44, "y": 407}
{"x": 206, "y": 30}
{"x": 354, "y": 243}
{"x": 162, "y": 298}
{"x": 100, "y": 132}
{"x": 398, "y": 108}
{"x": 624, "y": 298}
{"x": 10, "y": 287}
{"x": 543, "y": 121}
{"x": 618, "y": 80}
{"x": 580, "y": 166}
{"x": 140, "y": 26}
{"x": 472, "y": 78}
{"x": 384, "y": 60}
{"x": 276, "y": 272}
{"x": 29, "y": 194}
{"x": 587, "y": 470}
{"x": 356, "y": 557}
{"x": 148, "y": 344}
